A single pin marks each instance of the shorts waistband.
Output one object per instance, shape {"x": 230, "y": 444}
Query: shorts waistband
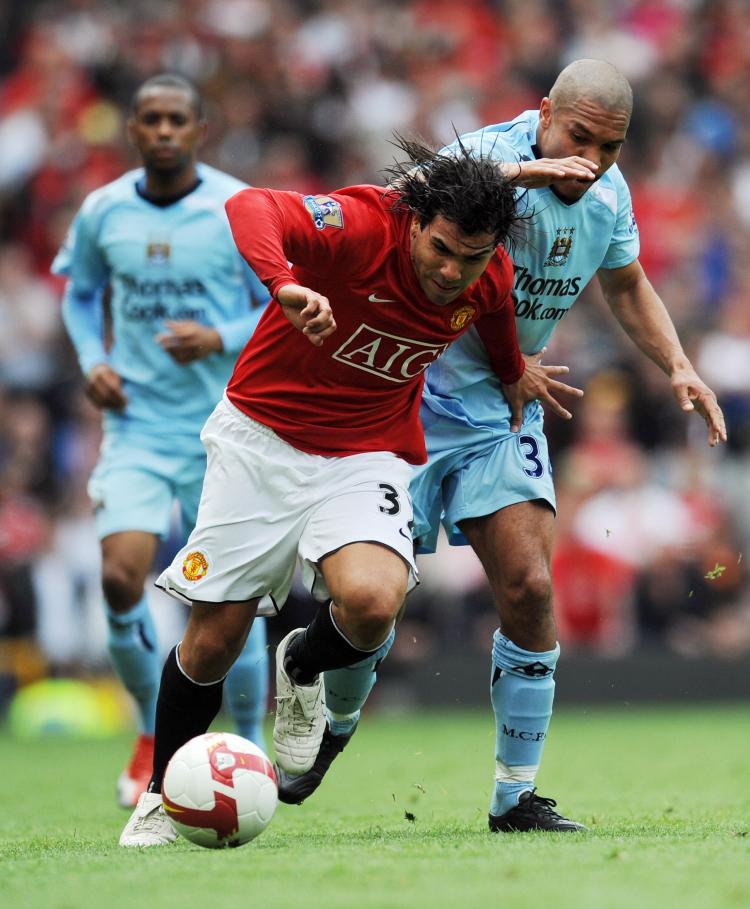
{"x": 260, "y": 428}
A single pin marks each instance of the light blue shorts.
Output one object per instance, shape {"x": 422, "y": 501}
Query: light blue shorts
{"x": 475, "y": 471}
{"x": 133, "y": 487}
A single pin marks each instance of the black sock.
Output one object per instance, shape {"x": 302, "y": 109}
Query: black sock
{"x": 184, "y": 709}
{"x": 320, "y": 647}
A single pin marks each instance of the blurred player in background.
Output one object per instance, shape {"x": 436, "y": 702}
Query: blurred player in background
{"x": 488, "y": 476}
{"x": 183, "y": 303}
{"x": 309, "y": 452}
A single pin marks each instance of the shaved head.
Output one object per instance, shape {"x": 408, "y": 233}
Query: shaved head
{"x": 586, "y": 115}
{"x": 596, "y": 81}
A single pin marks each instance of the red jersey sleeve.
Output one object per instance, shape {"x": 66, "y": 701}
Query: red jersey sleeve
{"x": 498, "y": 331}
{"x": 338, "y": 233}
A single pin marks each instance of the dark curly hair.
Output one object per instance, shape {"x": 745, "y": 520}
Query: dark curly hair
{"x": 467, "y": 189}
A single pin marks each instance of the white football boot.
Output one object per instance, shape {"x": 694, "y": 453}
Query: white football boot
{"x": 148, "y": 824}
{"x": 300, "y": 717}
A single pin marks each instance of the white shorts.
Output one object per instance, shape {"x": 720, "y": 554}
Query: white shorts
{"x": 265, "y": 503}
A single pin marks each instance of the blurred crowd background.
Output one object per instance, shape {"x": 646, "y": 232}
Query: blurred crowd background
{"x": 304, "y": 95}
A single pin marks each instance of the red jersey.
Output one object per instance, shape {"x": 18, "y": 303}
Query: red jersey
{"x": 361, "y": 390}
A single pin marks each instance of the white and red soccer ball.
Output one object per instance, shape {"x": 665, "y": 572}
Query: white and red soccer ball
{"x": 219, "y": 790}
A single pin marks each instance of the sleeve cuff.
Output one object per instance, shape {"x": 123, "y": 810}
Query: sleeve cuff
{"x": 234, "y": 335}
{"x": 91, "y": 357}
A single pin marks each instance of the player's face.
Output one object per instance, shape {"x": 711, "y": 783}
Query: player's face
{"x": 585, "y": 129}
{"x": 446, "y": 260}
{"x": 166, "y": 130}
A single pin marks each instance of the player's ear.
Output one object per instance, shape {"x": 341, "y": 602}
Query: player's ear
{"x": 545, "y": 113}
{"x": 130, "y": 130}
{"x": 202, "y": 132}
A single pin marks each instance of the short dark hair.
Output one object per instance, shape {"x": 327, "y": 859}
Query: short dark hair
{"x": 465, "y": 187}
{"x": 169, "y": 80}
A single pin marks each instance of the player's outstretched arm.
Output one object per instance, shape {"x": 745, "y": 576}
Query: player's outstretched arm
{"x": 308, "y": 311}
{"x": 187, "y": 341}
{"x": 643, "y": 315}
{"x": 104, "y": 388}
{"x": 538, "y": 383}
{"x": 545, "y": 171}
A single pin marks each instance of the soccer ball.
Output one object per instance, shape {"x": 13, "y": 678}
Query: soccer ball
{"x": 219, "y": 790}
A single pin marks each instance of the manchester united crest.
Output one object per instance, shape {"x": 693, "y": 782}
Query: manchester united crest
{"x": 461, "y": 317}
{"x": 561, "y": 246}
{"x": 194, "y": 566}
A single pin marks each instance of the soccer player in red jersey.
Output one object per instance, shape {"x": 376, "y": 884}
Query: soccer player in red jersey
{"x": 309, "y": 453}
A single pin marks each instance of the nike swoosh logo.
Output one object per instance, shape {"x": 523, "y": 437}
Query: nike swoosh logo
{"x": 373, "y": 298}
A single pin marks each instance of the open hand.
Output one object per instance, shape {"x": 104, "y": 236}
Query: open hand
{"x": 693, "y": 394}
{"x": 545, "y": 171}
{"x": 538, "y": 384}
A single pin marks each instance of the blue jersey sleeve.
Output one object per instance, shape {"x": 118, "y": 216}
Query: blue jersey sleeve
{"x": 235, "y": 334}
{"x": 625, "y": 243}
{"x": 491, "y": 144}
{"x": 486, "y": 143}
{"x": 81, "y": 261}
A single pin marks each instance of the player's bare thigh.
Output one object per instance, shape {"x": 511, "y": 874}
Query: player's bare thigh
{"x": 514, "y": 546}
{"x": 127, "y": 558}
{"x": 214, "y": 638}
{"x": 368, "y": 584}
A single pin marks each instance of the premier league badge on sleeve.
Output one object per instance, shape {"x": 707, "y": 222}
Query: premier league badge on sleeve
{"x": 324, "y": 211}
{"x": 632, "y": 224}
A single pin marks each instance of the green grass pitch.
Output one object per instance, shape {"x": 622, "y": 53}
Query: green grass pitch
{"x": 666, "y": 793}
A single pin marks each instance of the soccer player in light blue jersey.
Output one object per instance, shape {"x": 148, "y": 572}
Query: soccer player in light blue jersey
{"x": 183, "y": 303}
{"x": 488, "y": 477}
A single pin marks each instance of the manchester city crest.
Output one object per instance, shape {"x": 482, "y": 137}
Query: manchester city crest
{"x": 158, "y": 252}
{"x": 561, "y": 246}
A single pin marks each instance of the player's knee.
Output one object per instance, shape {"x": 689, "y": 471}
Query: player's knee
{"x": 530, "y": 592}
{"x": 121, "y": 590}
{"x": 208, "y": 654}
{"x": 525, "y": 608}
{"x": 371, "y": 612}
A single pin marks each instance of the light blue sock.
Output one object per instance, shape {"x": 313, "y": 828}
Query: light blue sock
{"x": 522, "y": 690}
{"x": 347, "y": 689}
{"x": 133, "y": 651}
{"x": 246, "y": 686}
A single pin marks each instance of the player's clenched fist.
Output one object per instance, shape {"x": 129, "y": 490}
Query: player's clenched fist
{"x": 308, "y": 311}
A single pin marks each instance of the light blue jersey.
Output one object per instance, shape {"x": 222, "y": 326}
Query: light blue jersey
{"x": 562, "y": 248}
{"x": 162, "y": 263}
{"x": 464, "y": 412}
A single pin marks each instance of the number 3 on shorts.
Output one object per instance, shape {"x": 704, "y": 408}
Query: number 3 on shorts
{"x": 390, "y": 494}
{"x": 530, "y": 451}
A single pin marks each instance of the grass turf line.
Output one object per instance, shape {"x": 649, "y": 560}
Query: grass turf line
{"x": 664, "y": 791}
